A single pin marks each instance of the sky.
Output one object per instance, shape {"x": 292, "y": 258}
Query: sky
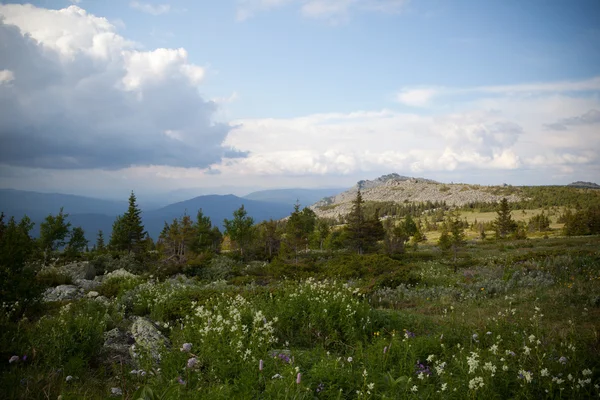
{"x": 103, "y": 97}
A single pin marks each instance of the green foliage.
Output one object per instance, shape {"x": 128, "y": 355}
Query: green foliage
{"x": 582, "y": 222}
{"x": 128, "y": 231}
{"x": 240, "y": 229}
{"x": 17, "y": 275}
{"x": 54, "y": 232}
{"x": 539, "y": 223}
{"x": 504, "y": 224}
{"x": 363, "y": 232}
{"x": 77, "y": 243}
{"x": 299, "y": 226}
{"x": 50, "y": 277}
{"x": 100, "y": 246}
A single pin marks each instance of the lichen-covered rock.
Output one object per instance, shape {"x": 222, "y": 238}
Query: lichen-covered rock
{"x": 93, "y": 294}
{"x": 87, "y": 284}
{"x": 79, "y": 270}
{"x": 62, "y": 293}
{"x": 148, "y": 339}
{"x": 119, "y": 273}
{"x": 116, "y": 348}
{"x": 102, "y": 299}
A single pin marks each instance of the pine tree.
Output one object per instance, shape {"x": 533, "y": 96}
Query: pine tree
{"x": 356, "y": 226}
{"x": 100, "y": 246}
{"x": 504, "y": 224}
{"x": 128, "y": 231}
{"x": 54, "y": 232}
{"x": 239, "y": 229}
{"x": 77, "y": 242}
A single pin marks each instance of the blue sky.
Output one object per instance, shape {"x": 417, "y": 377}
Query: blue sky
{"x": 305, "y": 93}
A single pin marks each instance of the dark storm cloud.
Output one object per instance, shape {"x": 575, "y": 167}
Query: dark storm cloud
{"x": 75, "y": 113}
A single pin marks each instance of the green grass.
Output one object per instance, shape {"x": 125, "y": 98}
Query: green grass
{"x": 520, "y": 319}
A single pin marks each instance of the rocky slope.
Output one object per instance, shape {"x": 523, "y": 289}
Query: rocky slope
{"x": 402, "y": 189}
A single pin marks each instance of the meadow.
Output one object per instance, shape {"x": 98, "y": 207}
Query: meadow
{"x": 519, "y": 319}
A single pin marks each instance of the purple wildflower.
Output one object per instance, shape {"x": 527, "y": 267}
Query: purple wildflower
{"x": 186, "y": 347}
{"x": 385, "y": 350}
{"x": 181, "y": 381}
{"x": 191, "y": 363}
{"x": 24, "y": 358}
{"x": 321, "y": 387}
{"x": 562, "y": 360}
{"x": 298, "y": 378}
{"x": 13, "y": 359}
{"x": 260, "y": 365}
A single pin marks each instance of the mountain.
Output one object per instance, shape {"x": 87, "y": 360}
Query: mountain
{"x": 584, "y": 185}
{"x": 93, "y": 214}
{"x": 217, "y": 207}
{"x": 39, "y": 205}
{"x": 305, "y": 197}
{"x": 402, "y": 189}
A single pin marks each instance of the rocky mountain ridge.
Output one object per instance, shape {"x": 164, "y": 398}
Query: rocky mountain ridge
{"x": 402, "y": 189}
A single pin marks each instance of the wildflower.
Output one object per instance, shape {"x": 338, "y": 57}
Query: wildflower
{"x": 276, "y": 376}
{"x": 321, "y": 387}
{"x": 142, "y": 373}
{"x": 115, "y": 392}
{"x": 180, "y": 381}
{"x": 414, "y": 388}
{"x": 562, "y": 360}
{"x": 13, "y": 359}
{"x": 531, "y": 338}
{"x": 476, "y": 383}
{"x": 349, "y": 359}
{"x": 134, "y": 372}
{"x": 473, "y": 362}
{"x": 430, "y": 358}
{"x": 191, "y": 363}
{"x": 385, "y": 350}
{"x": 69, "y": 378}
{"x": 298, "y": 378}
{"x": 527, "y": 375}
{"x": 24, "y": 358}
{"x": 505, "y": 367}
{"x": 510, "y": 353}
{"x": 260, "y": 365}
{"x": 444, "y": 386}
{"x": 586, "y": 372}
{"x": 526, "y": 350}
{"x": 494, "y": 348}
{"x": 186, "y": 347}
{"x": 544, "y": 372}
{"x": 475, "y": 337}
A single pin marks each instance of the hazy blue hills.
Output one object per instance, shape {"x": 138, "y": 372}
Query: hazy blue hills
{"x": 306, "y": 197}
{"x": 93, "y": 214}
{"x": 39, "y": 205}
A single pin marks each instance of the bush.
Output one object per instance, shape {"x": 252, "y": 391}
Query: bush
{"x": 50, "y": 277}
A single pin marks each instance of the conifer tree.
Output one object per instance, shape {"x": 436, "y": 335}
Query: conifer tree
{"x": 504, "y": 224}
{"x": 239, "y": 229}
{"x": 128, "y": 231}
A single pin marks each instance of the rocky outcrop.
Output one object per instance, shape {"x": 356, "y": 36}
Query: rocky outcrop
{"x": 79, "y": 270}
{"x": 62, "y": 293}
{"x": 400, "y": 189}
{"x": 116, "y": 348}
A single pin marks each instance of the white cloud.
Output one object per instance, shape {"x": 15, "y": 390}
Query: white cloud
{"x": 333, "y": 10}
{"x": 6, "y": 76}
{"x": 153, "y": 9}
{"x": 85, "y": 97}
{"x": 424, "y": 96}
{"x": 416, "y": 97}
{"x": 505, "y": 133}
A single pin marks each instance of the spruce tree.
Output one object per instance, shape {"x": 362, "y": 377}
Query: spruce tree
{"x": 100, "y": 246}
{"x": 504, "y": 224}
{"x": 356, "y": 226}
{"x": 128, "y": 231}
{"x": 239, "y": 229}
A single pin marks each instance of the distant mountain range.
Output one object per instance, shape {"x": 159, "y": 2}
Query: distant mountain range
{"x": 306, "y": 197}
{"x": 93, "y": 214}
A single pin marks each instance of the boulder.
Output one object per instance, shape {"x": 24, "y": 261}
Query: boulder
{"x": 62, "y": 293}
{"x": 79, "y": 270}
{"x": 119, "y": 273}
{"x": 87, "y": 284}
{"x": 148, "y": 339}
{"x": 92, "y": 294}
{"x": 116, "y": 348}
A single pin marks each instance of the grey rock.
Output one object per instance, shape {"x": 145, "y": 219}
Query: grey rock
{"x": 79, "y": 270}
{"x": 62, "y": 293}
{"x": 116, "y": 347}
{"x": 148, "y": 339}
{"x": 87, "y": 284}
{"x": 92, "y": 294}
{"x": 102, "y": 299}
